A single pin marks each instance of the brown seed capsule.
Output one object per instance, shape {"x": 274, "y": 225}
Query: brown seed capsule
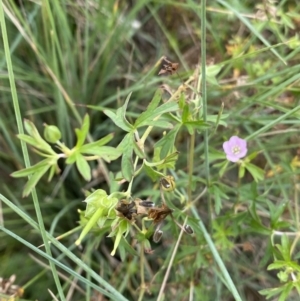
{"x": 188, "y": 229}
{"x": 157, "y": 235}
{"x": 167, "y": 183}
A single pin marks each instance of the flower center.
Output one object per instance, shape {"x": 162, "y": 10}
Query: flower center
{"x": 236, "y": 150}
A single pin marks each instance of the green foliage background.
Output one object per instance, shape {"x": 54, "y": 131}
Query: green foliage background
{"x": 75, "y": 57}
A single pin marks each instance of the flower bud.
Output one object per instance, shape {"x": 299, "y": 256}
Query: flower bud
{"x": 51, "y": 133}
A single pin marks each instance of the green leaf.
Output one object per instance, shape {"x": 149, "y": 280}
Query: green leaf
{"x": 186, "y": 115}
{"x": 148, "y": 117}
{"x": 28, "y": 139}
{"x": 216, "y": 118}
{"x": 213, "y": 70}
{"x": 218, "y": 196}
{"x": 34, "y": 180}
{"x": 160, "y": 124}
{"x": 252, "y": 156}
{"x": 215, "y": 155}
{"x": 151, "y": 107}
{"x": 32, "y": 130}
{"x": 126, "y": 146}
{"x": 83, "y": 167}
{"x": 168, "y": 162}
{"x": 89, "y": 225}
{"x": 286, "y": 291}
{"x": 120, "y": 117}
{"x": 72, "y": 156}
{"x": 32, "y": 169}
{"x": 153, "y": 103}
{"x": 99, "y": 142}
{"x": 223, "y": 166}
{"x": 123, "y": 227}
{"x": 276, "y": 211}
{"x": 53, "y": 170}
{"x": 285, "y": 248}
{"x": 168, "y": 141}
{"x": 127, "y": 166}
{"x": 256, "y": 172}
{"x": 153, "y": 164}
{"x": 256, "y": 223}
{"x": 277, "y": 265}
{"x": 37, "y": 143}
{"x": 197, "y": 124}
{"x": 152, "y": 173}
{"x": 108, "y": 153}
{"x": 270, "y": 292}
{"x": 137, "y": 150}
{"x": 127, "y": 247}
{"x": 241, "y": 171}
{"x": 125, "y": 126}
{"x": 83, "y": 131}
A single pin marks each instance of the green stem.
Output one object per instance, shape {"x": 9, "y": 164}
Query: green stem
{"x": 24, "y": 149}
{"x": 191, "y": 165}
{"x": 142, "y": 273}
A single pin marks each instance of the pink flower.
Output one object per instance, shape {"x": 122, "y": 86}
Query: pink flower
{"x": 235, "y": 148}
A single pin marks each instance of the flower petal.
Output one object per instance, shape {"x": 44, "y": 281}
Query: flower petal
{"x": 227, "y": 147}
{"x": 234, "y": 140}
{"x": 232, "y": 158}
{"x": 243, "y": 152}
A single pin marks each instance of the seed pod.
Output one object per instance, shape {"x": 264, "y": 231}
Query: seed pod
{"x": 188, "y": 229}
{"x": 167, "y": 183}
{"x": 147, "y": 204}
{"x": 157, "y": 235}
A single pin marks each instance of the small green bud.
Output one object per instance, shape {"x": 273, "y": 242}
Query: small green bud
{"x": 52, "y": 133}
